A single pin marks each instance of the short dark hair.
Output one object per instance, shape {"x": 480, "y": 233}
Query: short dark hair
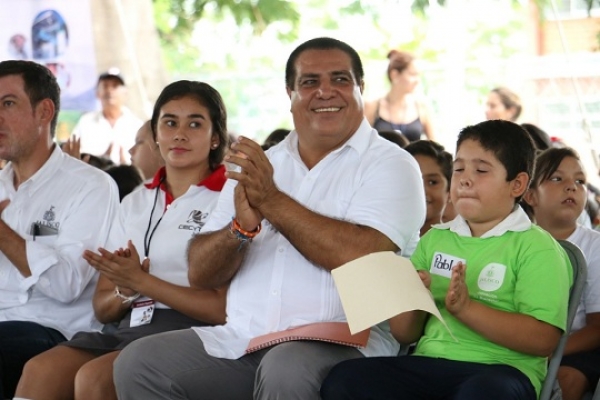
{"x": 541, "y": 139}
{"x": 127, "y": 177}
{"x": 436, "y": 151}
{"x": 323, "y": 43}
{"x": 511, "y": 144}
{"x": 208, "y": 97}
{"x": 40, "y": 84}
{"x": 396, "y": 137}
{"x": 275, "y": 137}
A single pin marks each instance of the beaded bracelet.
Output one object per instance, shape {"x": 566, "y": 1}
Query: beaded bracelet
{"x": 235, "y": 226}
{"x": 242, "y": 235}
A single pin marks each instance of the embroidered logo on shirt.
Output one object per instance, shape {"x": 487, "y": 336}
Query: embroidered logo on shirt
{"x": 491, "y": 277}
{"x": 49, "y": 215}
{"x": 48, "y": 219}
{"x": 442, "y": 264}
{"x": 195, "y": 221}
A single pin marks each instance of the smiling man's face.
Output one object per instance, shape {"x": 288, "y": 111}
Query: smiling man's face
{"x": 326, "y": 100}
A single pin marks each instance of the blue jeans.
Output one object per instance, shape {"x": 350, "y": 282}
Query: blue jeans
{"x": 20, "y": 341}
{"x": 424, "y": 378}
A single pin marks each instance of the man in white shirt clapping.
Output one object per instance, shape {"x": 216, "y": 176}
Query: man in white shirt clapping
{"x": 52, "y": 208}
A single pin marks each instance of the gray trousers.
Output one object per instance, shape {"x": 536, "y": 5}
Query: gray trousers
{"x": 174, "y": 365}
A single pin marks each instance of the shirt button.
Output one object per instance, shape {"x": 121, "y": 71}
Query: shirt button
{"x": 274, "y": 292}
{"x": 281, "y": 249}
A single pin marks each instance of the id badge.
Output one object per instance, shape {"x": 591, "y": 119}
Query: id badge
{"x": 141, "y": 313}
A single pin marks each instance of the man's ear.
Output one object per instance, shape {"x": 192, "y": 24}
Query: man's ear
{"x": 289, "y": 92}
{"x": 520, "y": 184}
{"x": 45, "y": 110}
{"x": 361, "y": 85}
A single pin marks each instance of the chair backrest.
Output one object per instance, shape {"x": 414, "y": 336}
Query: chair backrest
{"x": 579, "y": 265}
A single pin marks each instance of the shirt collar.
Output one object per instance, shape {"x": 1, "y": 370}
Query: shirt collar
{"x": 359, "y": 140}
{"x": 516, "y": 221}
{"x": 215, "y": 181}
{"x": 125, "y": 112}
{"x": 41, "y": 175}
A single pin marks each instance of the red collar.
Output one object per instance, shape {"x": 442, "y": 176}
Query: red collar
{"x": 215, "y": 181}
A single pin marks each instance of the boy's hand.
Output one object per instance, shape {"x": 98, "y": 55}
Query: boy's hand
{"x": 457, "y": 298}
{"x": 425, "y": 278}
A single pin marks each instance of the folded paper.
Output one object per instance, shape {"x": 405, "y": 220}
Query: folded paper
{"x": 378, "y": 286}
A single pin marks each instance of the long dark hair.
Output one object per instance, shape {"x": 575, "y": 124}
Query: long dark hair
{"x": 208, "y": 97}
{"x": 546, "y": 164}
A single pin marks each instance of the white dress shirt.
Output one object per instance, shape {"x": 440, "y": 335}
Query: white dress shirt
{"x": 588, "y": 241}
{"x": 367, "y": 181}
{"x": 74, "y": 204}
{"x": 97, "y": 134}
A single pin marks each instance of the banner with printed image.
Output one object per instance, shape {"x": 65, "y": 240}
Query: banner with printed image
{"x": 59, "y": 35}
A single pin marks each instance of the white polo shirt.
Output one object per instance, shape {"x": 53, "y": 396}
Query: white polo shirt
{"x": 588, "y": 241}
{"x": 97, "y": 134}
{"x": 368, "y": 181}
{"x": 75, "y": 205}
{"x": 180, "y": 219}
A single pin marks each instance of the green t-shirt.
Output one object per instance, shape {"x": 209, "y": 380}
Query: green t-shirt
{"x": 526, "y": 272}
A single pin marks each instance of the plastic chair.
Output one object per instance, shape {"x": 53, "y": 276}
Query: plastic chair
{"x": 550, "y": 388}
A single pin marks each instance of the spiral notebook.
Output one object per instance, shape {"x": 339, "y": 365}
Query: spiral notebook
{"x": 332, "y": 332}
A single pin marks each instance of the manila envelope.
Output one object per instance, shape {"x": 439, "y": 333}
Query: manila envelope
{"x": 378, "y": 286}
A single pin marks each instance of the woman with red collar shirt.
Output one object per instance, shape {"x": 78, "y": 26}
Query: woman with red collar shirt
{"x": 143, "y": 284}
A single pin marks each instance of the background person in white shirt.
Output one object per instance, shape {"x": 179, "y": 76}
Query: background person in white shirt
{"x": 330, "y": 192}
{"x": 52, "y": 207}
{"x": 111, "y": 131}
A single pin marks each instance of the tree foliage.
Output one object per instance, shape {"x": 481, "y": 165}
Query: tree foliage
{"x": 175, "y": 19}
{"x": 420, "y": 6}
{"x": 590, "y": 4}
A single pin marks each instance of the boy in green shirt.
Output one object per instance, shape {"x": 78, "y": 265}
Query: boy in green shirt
{"x": 500, "y": 282}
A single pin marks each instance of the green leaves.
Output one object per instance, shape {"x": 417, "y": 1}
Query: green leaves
{"x": 175, "y": 19}
{"x": 420, "y": 6}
